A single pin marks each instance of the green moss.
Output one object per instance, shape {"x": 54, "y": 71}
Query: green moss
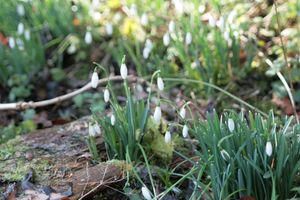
{"x": 21, "y": 167}
{"x": 14, "y": 166}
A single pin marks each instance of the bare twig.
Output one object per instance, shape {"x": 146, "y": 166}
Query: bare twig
{"x": 31, "y": 104}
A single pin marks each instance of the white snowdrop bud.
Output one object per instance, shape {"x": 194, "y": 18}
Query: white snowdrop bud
{"x": 157, "y": 114}
{"x": 146, "y": 52}
{"x": 123, "y": 71}
{"x": 20, "y": 10}
{"x": 106, "y": 95}
{"x": 133, "y": 10}
{"x": 88, "y": 37}
{"x": 94, "y": 80}
{"x": 201, "y": 9}
{"x": 11, "y": 42}
{"x": 92, "y": 132}
{"x": 171, "y": 26}
{"x": 97, "y": 129}
{"x": 20, "y": 28}
{"x": 71, "y": 49}
{"x": 109, "y": 29}
{"x": 146, "y": 193}
{"x": 166, "y": 39}
{"x": 269, "y": 148}
{"x": 225, "y": 155}
{"x": 160, "y": 83}
{"x": 27, "y": 35}
{"x": 230, "y": 125}
{"x": 112, "y": 120}
{"x": 144, "y": 19}
{"x": 182, "y": 112}
{"x": 148, "y": 44}
{"x": 168, "y": 137}
{"x": 185, "y": 131}
{"x": 188, "y": 38}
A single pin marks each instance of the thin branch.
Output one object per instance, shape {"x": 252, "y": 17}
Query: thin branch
{"x": 25, "y": 105}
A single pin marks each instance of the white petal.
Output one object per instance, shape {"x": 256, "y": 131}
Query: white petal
{"x": 148, "y": 44}
{"x": 269, "y": 148}
{"x": 166, "y": 39}
{"x": 188, "y": 38}
{"x": 95, "y": 80}
{"x": 20, "y": 10}
{"x": 231, "y": 125}
{"x": 11, "y": 42}
{"x": 182, "y": 112}
{"x": 20, "y": 29}
{"x": 185, "y": 131}
{"x": 157, "y": 114}
{"x": 27, "y": 35}
{"x": 160, "y": 83}
{"x": 171, "y": 26}
{"x": 88, "y": 37}
{"x": 112, "y": 120}
{"x": 168, "y": 137}
{"x": 146, "y": 193}
{"x": 109, "y": 29}
{"x": 92, "y": 132}
{"x": 97, "y": 129}
{"x": 106, "y": 95}
{"x": 144, "y": 19}
{"x": 123, "y": 71}
{"x": 146, "y": 52}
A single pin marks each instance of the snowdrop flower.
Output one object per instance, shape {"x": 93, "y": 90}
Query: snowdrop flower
{"x": 269, "y": 148}
{"x": 92, "y": 132}
{"x": 182, "y": 112}
{"x": 188, "y": 38}
{"x": 146, "y": 193}
{"x": 88, "y": 37}
{"x": 148, "y": 44}
{"x": 97, "y": 129}
{"x": 160, "y": 83}
{"x": 178, "y": 6}
{"x": 106, "y": 95}
{"x": 74, "y": 8}
{"x": 112, "y": 120}
{"x": 168, "y": 137}
{"x": 185, "y": 131}
{"x": 230, "y": 125}
{"x": 20, "y": 43}
{"x": 72, "y": 49}
{"x": 132, "y": 10}
{"x": 11, "y": 42}
{"x": 94, "y": 129}
{"x": 157, "y": 114}
{"x": 171, "y": 26}
{"x": 225, "y": 154}
{"x": 144, "y": 19}
{"x": 109, "y": 29}
{"x": 166, "y": 39}
{"x": 211, "y": 21}
{"x": 27, "y": 35}
{"x": 95, "y": 79}
{"x": 123, "y": 71}
{"x": 20, "y": 10}
{"x": 20, "y": 28}
{"x": 146, "y": 52}
{"x": 147, "y": 49}
{"x": 201, "y": 9}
